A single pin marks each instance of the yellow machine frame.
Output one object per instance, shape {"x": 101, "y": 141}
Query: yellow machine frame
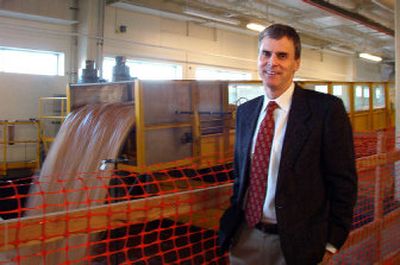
{"x": 205, "y": 149}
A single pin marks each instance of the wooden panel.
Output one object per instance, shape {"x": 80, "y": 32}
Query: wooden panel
{"x": 379, "y": 119}
{"x": 84, "y": 94}
{"x": 165, "y": 145}
{"x": 361, "y": 122}
{"x": 211, "y": 106}
{"x": 210, "y": 96}
{"x": 212, "y": 148}
{"x": 162, "y": 99}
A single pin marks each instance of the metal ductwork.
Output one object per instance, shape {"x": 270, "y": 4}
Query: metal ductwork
{"x": 388, "y": 5}
{"x": 350, "y": 15}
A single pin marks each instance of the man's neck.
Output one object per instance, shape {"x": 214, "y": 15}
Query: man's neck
{"x": 275, "y": 93}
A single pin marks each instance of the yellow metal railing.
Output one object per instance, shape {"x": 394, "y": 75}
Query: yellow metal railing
{"x": 368, "y": 103}
{"x": 52, "y": 111}
{"x": 9, "y": 131}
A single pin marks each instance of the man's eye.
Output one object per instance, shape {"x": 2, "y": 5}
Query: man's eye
{"x": 266, "y": 53}
{"x": 282, "y": 55}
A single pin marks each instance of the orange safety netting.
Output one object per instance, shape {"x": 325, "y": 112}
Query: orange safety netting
{"x": 171, "y": 216}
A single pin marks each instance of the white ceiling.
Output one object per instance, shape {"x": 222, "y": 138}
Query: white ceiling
{"x": 347, "y": 26}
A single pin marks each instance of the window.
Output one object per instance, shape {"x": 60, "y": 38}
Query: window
{"x": 36, "y": 62}
{"x": 317, "y": 87}
{"x": 321, "y": 88}
{"x": 341, "y": 91}
{"x": 144, "y": 69}
{"x": 361, "y": 98}
{"x": 206, "y": 73}
{"x": 240, "y": 93}
{"x": 379, "y": 97}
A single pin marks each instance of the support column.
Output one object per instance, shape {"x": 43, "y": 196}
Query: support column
{"x": 74, "y": 57}
{"x": 91, "y": 33}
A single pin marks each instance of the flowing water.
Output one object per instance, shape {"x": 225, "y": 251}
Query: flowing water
{"x": 67, "y": 181}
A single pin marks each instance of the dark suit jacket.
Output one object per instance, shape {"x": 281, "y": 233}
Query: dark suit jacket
{"x": 317, "y": 182}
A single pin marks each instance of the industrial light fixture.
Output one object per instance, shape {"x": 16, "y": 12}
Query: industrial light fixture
{"x": 341, "y": 49}
{"x": 256, "y": 27}
{"x": 370, "y": 57}
{"x": 209, "y": 16}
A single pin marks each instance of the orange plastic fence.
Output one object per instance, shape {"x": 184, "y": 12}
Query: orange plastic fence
{"x": 171, "y": 216}
{"x": 366, "y": 143}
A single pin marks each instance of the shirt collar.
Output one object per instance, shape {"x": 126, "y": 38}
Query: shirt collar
{"x": 284, "y": 101}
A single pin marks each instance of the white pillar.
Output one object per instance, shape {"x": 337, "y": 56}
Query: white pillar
{"x": 74, "y": 57}
{"x": 91, "y": 32}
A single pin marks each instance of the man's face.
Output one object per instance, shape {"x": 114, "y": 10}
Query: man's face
{"x": 277, "y": 65}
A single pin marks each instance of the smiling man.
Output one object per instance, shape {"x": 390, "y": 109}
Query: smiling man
{"x": 295, "y": 180}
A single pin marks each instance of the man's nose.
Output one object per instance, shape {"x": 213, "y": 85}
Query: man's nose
{"x": 273, "y": 60}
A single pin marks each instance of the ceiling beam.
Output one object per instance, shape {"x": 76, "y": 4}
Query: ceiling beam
{"x": 350, "y": 15}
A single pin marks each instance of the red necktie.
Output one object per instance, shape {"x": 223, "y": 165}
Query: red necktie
{"x": 259, "y": 167}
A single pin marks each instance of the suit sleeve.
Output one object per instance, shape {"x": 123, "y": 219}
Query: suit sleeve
{"x": 339, "y": 171}
{"x": 233, "y": 216}
{"x": 236, "y": 162}
{"x": 241, "y": 157}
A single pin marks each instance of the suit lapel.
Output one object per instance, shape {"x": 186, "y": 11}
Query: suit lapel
{"x": 297, "y": 130}
{"x": 250, "y": 117}
{"x": 251, "y": 121}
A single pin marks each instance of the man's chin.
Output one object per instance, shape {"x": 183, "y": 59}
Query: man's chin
{"x": 271, "y": 85}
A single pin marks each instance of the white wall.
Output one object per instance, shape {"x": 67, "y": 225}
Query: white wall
{"x": 325, "y": 66}
{"x": 20, "y": 92}
{"x": 183, "y": 42}
{"x": 192, "y": 44}
{"x": 367, "y": 71}
{"x": 59, "y": 9}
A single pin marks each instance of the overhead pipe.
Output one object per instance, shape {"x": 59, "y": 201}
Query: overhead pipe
{"x": 387, "y": 5}
{"x": 349, "y": 15}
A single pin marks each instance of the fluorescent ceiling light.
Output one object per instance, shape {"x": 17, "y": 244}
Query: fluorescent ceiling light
{"x": 370, "y": 57}
{"x": 209, "y": 16}
{"x": 256, "y": 27}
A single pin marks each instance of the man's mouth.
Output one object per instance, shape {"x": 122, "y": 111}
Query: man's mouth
{"x": 272, "y": 73}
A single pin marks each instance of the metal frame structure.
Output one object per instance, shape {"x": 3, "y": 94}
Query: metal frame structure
{"x": 173, "y": 114}
{"x": 8, "y": 140}
{"x": 206, "y": 103}
{"x": 54, "y": 115}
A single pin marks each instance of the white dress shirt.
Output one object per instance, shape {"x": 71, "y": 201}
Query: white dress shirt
{"x": 281, "y": 114}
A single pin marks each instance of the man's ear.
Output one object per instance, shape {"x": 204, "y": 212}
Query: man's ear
{"x": 298, "y": 61}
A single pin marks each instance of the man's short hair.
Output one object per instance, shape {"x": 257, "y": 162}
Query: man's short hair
{"x": 278, "y": 31}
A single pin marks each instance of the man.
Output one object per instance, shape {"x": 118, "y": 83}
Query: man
{"x": 294, "y": 154}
